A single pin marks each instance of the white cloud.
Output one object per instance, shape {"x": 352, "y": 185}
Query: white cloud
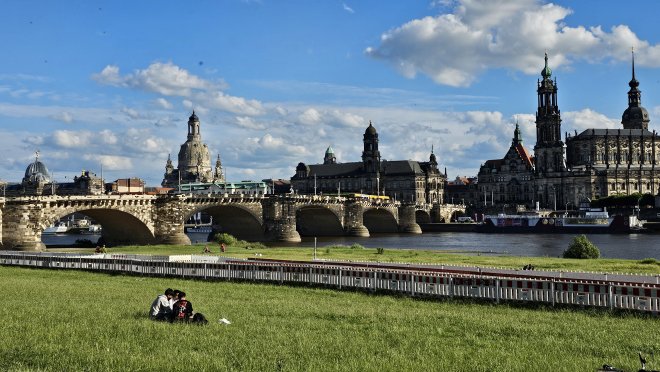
{"x": 63, "y": 116}
{"x": 249, "y": 123}
{"x": 72, "y": 139}
{"x": 310, "y": 116}
{"x": 236, "y": 105}
{"x": 131, "y": 113}
{"x": 111, "y": 162}
{"x": 163, "y": 103}
{"x": 163, "y": 78}
{"x": 347, "y": 8}
{"x": 454, "y": 48}
{"x": 587, "y": 119}
{"x": 108, "y": 137}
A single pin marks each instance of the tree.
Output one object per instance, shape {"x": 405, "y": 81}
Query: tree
{"x": 581, "y": 247}
{"x": 225, "y": 238}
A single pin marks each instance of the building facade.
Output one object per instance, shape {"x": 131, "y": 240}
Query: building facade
{"x": 593, "y": 164}
{"x": 403, "y": 180}
{"x": 194, "y": 161}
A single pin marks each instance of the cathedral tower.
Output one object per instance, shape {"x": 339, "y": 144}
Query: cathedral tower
{"x": 370, "y": 154}
{"x": 635, "y": 116}
{"x": 194, "y": 160}
{"x": 330, "y": 157}
{"x": 549, "y": 148}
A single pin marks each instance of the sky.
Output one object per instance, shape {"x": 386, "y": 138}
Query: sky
{"x": 108, "y": 86}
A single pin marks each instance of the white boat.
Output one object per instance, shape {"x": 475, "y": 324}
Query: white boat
{"x": 60, "y": 228}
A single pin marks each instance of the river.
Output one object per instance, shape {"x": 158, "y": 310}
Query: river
{"x": 632, "y": 246}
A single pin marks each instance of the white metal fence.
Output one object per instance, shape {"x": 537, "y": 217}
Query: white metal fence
{"x": 412, "y": 281}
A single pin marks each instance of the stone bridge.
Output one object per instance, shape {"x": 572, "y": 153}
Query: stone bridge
{"x": 160, "y": 219}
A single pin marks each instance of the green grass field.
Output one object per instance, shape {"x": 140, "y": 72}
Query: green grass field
{"x": 73, "y": 320}
{"x": 648, "y": 266}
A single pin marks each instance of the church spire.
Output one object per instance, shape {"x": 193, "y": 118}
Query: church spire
{"x": 635, "y": 116}
{"x": 517, "y": 137}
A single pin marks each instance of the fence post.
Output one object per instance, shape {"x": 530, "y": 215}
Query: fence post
{"x": 412, "y": 285}
{"x": 340, "y": 270}
{"x": 310, "y": 274}
{"x": 229, "y": 272}
{"x": 497, "y": 291}
{"x": 451, "y": 286}
{"x": 609, "y": 295}
{"x": 552, "y": 291}
{"x": 281, "y": 270}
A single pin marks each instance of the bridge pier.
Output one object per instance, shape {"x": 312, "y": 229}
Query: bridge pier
{"x": 354, "y": 225}
{"x": 407, "y": 221}
{"x": 280, "y": 221}
{"x": 170, "y": 219}
{"x": 20, "y": 227}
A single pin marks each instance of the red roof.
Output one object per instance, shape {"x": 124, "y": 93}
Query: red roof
{"x": 522, "y": 151}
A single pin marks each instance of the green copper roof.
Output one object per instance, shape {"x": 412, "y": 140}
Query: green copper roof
{"x": 546, "y": 72}
{"x": 329, "y": 151}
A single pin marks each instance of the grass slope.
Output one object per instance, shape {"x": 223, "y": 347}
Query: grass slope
{"x": 647, "y": 266}
{"x": 72, "y": 320}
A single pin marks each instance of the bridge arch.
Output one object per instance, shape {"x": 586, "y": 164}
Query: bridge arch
{"x": 318, "y": 220}
{"x": 380, "y": 220}
{"x": 422, "y": 216}
{"x": 233, "y": 219}
{"x": 118, "y": 227}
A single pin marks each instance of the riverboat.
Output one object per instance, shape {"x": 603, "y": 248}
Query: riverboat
{"x": 59, "y": 228}
{"x": 585, "y": 220}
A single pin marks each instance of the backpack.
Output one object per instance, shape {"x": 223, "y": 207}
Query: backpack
{"x": 180, "y": 308}
{"x": 200, "y": 319}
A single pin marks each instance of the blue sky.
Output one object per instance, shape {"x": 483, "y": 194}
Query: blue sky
{"x": 112, "y": 83}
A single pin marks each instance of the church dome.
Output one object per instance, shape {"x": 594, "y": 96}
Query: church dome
{"x": 329, "y": 151}
{"x": 37, "y": 172}
{"x": 370, "y": 129}
{"x": 193, "y": 117}
{"x": 635, "y": 113}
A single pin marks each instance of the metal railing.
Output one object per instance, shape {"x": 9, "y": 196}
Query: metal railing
{"x": 410, "y": 280}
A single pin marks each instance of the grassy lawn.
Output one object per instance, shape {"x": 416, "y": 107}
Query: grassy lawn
{"x": 401, "y": 255}
{"x": 73, "y": 320}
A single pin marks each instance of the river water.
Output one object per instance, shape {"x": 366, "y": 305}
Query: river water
{"x": 630, "y": 246}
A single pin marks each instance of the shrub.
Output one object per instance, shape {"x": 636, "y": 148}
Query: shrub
{"x": 581, "y": 247}
{"x": 357, "y": 246}
{"x": 380, "y": 250}
{"x": 649, "y": 261}
{"x": 225, "y": 238}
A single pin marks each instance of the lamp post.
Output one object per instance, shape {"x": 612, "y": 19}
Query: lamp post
{"x": 554, "y": 197}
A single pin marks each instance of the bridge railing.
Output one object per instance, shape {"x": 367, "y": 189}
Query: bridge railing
{"x": 412, "y": 281}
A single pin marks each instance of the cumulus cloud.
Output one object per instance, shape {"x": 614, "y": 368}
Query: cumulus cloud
{"x": 310, "y": 116}
{"x": 163, "y": 78}
{"x": 111, "y": 162}
{"x": 72, "y": 139}
{"x": 454, "y": 48}
{"x": 169, "y": 79}
{"x": 131, "y": 113}
{"x": 236, "y": 105}
{"x": 587, "y": 119}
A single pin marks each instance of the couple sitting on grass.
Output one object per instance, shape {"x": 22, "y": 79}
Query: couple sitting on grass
{"x": 174, "y": 307}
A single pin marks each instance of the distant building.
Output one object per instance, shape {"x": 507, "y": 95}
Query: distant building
{"x": 278, "y": 186}
{"x": 194, "y": 161}
{"x": 463, "y": 190}
{"x": 593, "y": 164}
{"x": 403, "y": 180}
{"x": 126, "y": 186}
{"x": 38, "y": 181}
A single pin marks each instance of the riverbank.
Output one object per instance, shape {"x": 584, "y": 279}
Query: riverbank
{"x": 298, "y": 328}
{"x": 359, "y": 253}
